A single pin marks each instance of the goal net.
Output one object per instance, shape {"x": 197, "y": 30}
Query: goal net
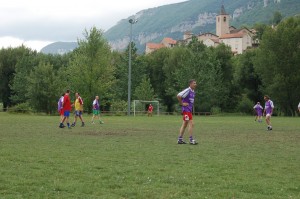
{"x": 140, "y": 107}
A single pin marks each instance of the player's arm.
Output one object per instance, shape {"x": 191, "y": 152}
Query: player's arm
{"x": 272, "y": 107}
{"x": 182, "y": 95}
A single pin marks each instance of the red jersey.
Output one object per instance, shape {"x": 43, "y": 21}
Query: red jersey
{"x": 67, "y": 103}
{"x": 150, "y": 108}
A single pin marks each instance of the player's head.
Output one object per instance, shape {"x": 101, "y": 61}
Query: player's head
{"x": 97, "y": 97}
{"x": 266, "y": 97}
{"x": 192, "y": 83}
{"x": 258, "y": 102}
{"x": 68, "y": 92}
{"x": 76, "y": 94}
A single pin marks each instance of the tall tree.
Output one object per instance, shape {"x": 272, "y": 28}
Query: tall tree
{"x": 91, "y": 71}
{"x": 278, "y": 61}
{"x": 42, "y": 89}
{"x": 20, "y": 82}
{"x": 8, "y": 60}
{"x": 246, "y": 77}
{"x": 144, "y": 90}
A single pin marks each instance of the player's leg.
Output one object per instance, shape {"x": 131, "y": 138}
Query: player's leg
{"x": 80, "y": 117}
{"x": 190, "y": 130}
{"x": 181, "y": 132}
{"x": 268, "y": 121}
{"x": 66, "y": 118}
{"x": 75, "y": 119}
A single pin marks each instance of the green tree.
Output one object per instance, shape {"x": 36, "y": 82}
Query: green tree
{"x": 246, "y": 77}
{"x": 42, "y": 88}
{"x": 278, "y": 61}
{"x": 277, "y": 17}
{"x": 8, "y": 60}
{"x": 91, "y": 71}
{"x": 20, "y": 82}
{"x": 144, "y": 90}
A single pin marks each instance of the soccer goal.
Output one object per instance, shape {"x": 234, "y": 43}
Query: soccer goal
{"x": 140, "y": 107}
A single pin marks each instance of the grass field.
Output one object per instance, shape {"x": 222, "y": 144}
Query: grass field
{"x": 139, "y": 157}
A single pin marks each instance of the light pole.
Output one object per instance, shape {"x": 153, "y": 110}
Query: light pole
{"x": 131, "y": 21}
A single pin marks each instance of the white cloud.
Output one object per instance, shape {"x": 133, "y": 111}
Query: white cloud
{"x": 36, "y": 22}
{"x": 6, "y": 42}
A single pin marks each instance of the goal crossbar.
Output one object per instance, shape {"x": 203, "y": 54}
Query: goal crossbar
{"x": 145, "y": 102}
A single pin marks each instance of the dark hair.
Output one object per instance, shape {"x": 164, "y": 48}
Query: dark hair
{"x": 68, "y": 91}
{"x": 267, "y": 96}
{"x": 191, "y": 81}
{"x": 63, "y": 94}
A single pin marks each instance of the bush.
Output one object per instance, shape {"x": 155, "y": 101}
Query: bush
{"x": 20, "y": 108}
{"x": 119, "y": 107}
{"x": 245, "y": 105}
{"x": 215, "y": 110}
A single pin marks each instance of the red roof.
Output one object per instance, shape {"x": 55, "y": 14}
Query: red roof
{"x": 154, "y": 45}
{"x": 234, "y": 35}
{"x": 169, "y": 40}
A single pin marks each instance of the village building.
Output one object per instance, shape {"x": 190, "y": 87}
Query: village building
{"x": 238, "y": 40}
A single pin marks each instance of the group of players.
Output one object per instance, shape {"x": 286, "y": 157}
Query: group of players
{"x": 65, "y": 106}
{"x": 267, "y": 111}
{"x": 186, "y": 100}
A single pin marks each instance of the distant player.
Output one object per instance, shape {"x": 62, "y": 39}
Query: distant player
{"x": 186, "y": 100}
{"x": 269, "y": 106}
{"x": 60, "y": 107}
{"x": 299, "y": 107}
{"x": 66, "y": 108}
{"x": 259, "y": 111}
{"x": 96, "y": 110}
{"x": 150, "y": 110}
{"x": 78, "y": 109}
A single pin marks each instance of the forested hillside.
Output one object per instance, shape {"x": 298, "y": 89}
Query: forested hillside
{"x": 197, "y": 16}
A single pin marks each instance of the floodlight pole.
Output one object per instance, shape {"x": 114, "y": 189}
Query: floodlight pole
{"x": 131, "y": 21}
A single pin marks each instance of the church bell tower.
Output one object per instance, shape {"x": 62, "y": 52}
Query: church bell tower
{"x": 222, "y": 22}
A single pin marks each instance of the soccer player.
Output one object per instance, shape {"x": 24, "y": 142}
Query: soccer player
{"x": 150, "y": 110}
{"x": 78, "y": 109}
{"x": 96, "y": 110}
{"x": 60, "y": 107}
{"x": 66, "y": 108}
{"x": 258, "y": 109}
{"x": 299, "y": 107}
{"x": 269, "y": 106}
{"x": 186, "y": 100}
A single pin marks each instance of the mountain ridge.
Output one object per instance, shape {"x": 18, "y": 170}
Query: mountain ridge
{"x": 196, "y": 16}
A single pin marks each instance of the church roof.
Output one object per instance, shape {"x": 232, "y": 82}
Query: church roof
{"x": 223, "y": 12}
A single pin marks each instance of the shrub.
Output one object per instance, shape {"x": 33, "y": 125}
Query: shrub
{"x": 245, "y": 105}
{"x": 215, "y": 110}
{"x": 20, "y": 108}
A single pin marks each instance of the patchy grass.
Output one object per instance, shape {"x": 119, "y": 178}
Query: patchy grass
{"x": 138, "y": 157}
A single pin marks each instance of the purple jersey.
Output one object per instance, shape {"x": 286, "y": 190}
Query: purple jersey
{"x": 269, "y": 107}
{"x": 60, "y": 103}
{"x": 96, "y": 105}
{"x": 258, "y": 108}
{"x": 188, "y": 96}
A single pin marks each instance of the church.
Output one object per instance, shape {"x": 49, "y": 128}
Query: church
{"x": 238, "y": 40}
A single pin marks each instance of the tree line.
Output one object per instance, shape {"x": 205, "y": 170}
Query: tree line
{"x": 226, "y": 83}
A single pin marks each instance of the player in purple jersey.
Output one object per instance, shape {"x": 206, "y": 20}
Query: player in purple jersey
{"x": 269, "y": 106}
{"x": 186, "y": 100}
{"x": 258, "y": 110}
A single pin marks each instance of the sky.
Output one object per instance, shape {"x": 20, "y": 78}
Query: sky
{"x": 37, "y": 23}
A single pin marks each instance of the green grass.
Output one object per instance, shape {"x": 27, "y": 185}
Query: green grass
{"x": 138, "y": 157}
